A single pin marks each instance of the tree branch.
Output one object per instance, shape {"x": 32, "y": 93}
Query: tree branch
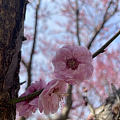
{"x": 28, "y": 97}
{"x": 77, "y": 22}
{"x": 105, "y": 19}
{"x": 68, "y": 105}
{"x": 33, "y": 46}
{"x": 101, "y": 50}
{"x": 24, "y": 63}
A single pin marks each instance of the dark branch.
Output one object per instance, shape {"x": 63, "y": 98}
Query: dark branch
{"x": 102, "y": 49}
{"x": 24, "y": 63}
{"x": 77, "y": 22}
{"x": 28, "y": 97}
{"x": 22, "y": 82}
{"x": 105, "y": 19}
{"x": 33, "y": 46}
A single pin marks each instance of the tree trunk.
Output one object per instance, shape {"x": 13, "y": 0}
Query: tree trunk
{"x": 11, "y": 34}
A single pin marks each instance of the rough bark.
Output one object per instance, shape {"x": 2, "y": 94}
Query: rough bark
{"x": 109, "y": 110}
{"x": 11, "y": 33}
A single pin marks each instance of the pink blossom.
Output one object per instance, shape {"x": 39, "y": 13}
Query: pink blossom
{"x": 27, "y": 107}
{"x": 52, "y": 95}
{"x": 73, "y": 64}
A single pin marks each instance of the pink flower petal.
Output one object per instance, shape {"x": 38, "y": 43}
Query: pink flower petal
{"x": 73, "y": 63}
{"x": 27, "y": 107}
{"x": 51, "y": 96}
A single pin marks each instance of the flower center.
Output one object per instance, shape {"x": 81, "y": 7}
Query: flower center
{"x": 72, "y": 63}
{"x": 56, "y": 90}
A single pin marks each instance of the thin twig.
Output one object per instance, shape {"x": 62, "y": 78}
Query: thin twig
{"x": 77, "y": 22}
{"x": 102, "y": 49}
{"x": 24, "y": 63}
{"x": 105, "y": 19}
{"x": 33, "y": 46}
{"x": 22, "y": 82}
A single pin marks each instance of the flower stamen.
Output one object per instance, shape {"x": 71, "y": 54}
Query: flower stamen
{"x": 72, "y": 63}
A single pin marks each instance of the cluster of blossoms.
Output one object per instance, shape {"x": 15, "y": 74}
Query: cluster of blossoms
{"x": 26, "y": 108}
{"x": 72, "y": 65}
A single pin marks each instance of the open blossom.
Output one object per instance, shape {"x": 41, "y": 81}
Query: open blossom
{"x": 27, "y": 107}
{"x": 73, "y": 64}
{"x": 52, "y": 95}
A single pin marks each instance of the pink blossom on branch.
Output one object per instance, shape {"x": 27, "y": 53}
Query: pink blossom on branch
{"x": 51, "y": 96}
{"x": 73, "y": 64}
{"x": 27, "y": 107}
